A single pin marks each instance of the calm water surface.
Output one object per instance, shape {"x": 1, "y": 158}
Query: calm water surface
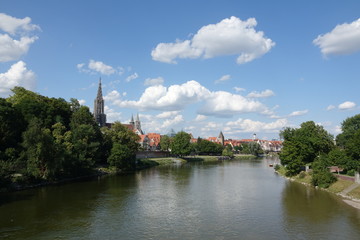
{"x": 229, "y": 200}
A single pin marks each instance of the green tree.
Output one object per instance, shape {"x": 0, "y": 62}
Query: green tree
{"x": 304, "y": 145}
{"x": 124, "y": 145}
{"x": 207, "y": 147}
{"x": 228, "y": 151}
{"x": 181, "y": 144}
{"x": 165, "y": 142}
{"x": 39, "y": 148}
{"x": 349, "y": 128}
{"x": 255, "y": 148}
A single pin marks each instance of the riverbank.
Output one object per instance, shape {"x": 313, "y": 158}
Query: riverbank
{"x": 345, "y": 189}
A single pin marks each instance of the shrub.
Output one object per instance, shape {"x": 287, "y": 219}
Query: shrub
{"x": 323, "y": 178}
{"x": 302, "y": 174}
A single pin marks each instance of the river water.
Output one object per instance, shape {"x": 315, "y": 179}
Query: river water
{"x": 227, "y": 200}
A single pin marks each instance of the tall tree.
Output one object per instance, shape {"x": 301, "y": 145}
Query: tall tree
{"x": 181, "y": 144}
{"x": 304, "y": 145}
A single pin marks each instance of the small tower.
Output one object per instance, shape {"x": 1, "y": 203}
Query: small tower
{"x": 254, "y": 136}
{"x": 138, "y": 124}
{"x": 99, "y": 115}
{"x": 132, "y": 123}
{"x": 221, "y": 138}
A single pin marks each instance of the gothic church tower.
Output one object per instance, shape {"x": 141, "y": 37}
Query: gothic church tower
{"x": 99, "y": 115}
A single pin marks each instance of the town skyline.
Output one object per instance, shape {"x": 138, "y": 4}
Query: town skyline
{"x": 234, "y": 66}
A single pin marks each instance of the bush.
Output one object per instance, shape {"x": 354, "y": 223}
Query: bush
{"x": 351, "y": 172}
{"x": 302, "y": 174}
{"x": 323, "y": 178}
{"x": 277, "y": 167}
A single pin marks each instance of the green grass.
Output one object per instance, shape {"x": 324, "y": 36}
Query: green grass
{"x": 164, "y": 161}
{"x": 339, "y": 185}
{"x": 355, "y": 193}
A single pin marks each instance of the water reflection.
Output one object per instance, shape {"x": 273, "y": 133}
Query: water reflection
{"x": 227, "y": 200}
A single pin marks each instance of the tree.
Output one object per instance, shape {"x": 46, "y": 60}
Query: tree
{"x": 181, "y": 144}
{"x": 228, "y": 151}
{"x": 206, "y": 147}
{"x": 255, "y": 148}
{"x": 349, "y": 128}
{"x": 39, "y": 148}
{"x": 124, "y": 145}
{"x": 165, "y": 142}
{"x": 304, "y": 145}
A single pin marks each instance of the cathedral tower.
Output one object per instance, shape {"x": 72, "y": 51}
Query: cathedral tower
{"x": 99, "y": 115}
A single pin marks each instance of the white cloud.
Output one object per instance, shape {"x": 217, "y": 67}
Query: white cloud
{"x": 248, "y": 125}
{"x": 82, "y": 101}
{"x": 263, "y": 94}
{"x": 153, "y": 81}
{"x": 347, "y": 105}
{"x": 298, "y": 113}
{"x": 174, "y": 98}
{"x": 111, "y": 114}
{"x": 200, "y": 118}
{"x": 11, "y": 49}
{"x": 223, "y": 78}
{"x": 94, "y": 67}
{"x": 13, "y": 25}
{"x": 17, "y": 75}
{"x": 226, "y": 104}
{"x": 167, "y": 114}
{"x": 330, "y": 107}
{"x": 100, "y": 67}
{"x": 231, "y": 36}
{"x": 132, "y": 77}
{"x": 171, "y": 122}
{"x": 177, "y": 97}
{"x": 343, "y": 39}
{"x": 238, "y": 89}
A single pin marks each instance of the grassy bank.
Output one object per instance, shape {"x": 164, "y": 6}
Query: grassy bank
{"x": 337, "y": 187}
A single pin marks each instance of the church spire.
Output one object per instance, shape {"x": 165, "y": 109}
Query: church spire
{"x": 100, "y": 116}
{"x": 99, "y": 93}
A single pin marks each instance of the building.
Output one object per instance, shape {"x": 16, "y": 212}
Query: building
{"x": 99, "y": 115}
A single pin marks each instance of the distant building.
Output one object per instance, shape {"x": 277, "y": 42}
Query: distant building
{"x": 99, "y": 115}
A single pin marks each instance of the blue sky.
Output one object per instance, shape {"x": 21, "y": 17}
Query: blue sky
{"x": 240, "y": 67}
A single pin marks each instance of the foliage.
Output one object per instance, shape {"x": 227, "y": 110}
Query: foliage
{"x": 321, "y": 176}
{"x": 349, "y": 128}
{"x": 165, "y": 143}
{"x": 124, "y": 146}
{"x": 181, "y": 144}
{"x": 304, "y": 145}
{"x": 228, "y": 151}
{"x": 255, "y": 148}
{"x": 205, "y": 147}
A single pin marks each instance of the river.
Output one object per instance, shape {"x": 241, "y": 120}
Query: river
{"x": 226, "y": 200}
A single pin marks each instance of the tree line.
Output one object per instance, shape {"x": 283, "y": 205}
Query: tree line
{"x": 44, "y": 138}
{"x": 313, "y": 146}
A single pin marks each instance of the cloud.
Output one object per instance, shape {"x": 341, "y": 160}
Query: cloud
{"x": 347, "y": 105}
{"x": 17, "y": 75}
{"x": 177, "y": 97}
{"x": 153, "y": 81}
{"x": 82, "y": 101}
{"x": 13, "y": 25}
{"x": 231, "y": 36}
{"x": 223, "y": 78}
{"x": 174, "y": 98}
{"x": 263, "y": 94}
{"x": 111, "y": 114}
{"x": 167, "y": 114}
{"x": 225, "y": 104}
{"x": 132, "y": 77}
{"x": 200, "y": 118}
{"x": 330, "y": 107}
{"x": 248, "y": 125}
{"x": 10, "y": 48}
{"x": 171, "y": 122}
{"x": 238, "y": 89}
{"x": 343, "y": 39}
{"x": 298, "y": 113}
{"x": 94, "y": 67}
